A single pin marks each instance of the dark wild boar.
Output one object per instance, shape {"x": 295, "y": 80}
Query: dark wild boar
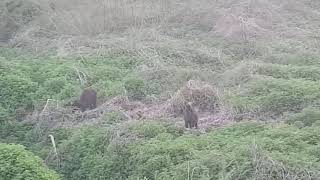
{"x": 88, "y": 99}
{"x": 190, "y": 116}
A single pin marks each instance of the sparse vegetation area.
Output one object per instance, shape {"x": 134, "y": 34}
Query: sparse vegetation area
{"x": 251, "y": 68}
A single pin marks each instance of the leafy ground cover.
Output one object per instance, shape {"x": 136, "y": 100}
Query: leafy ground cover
{"x": 157, "y": 149}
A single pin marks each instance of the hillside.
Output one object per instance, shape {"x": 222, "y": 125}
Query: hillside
{"x": 251, "y": 67}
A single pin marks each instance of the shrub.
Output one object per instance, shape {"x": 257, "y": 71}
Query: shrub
{"x": 4, "y": 115}
{"x": 27, "y": 80}
{"x": 307, "y": 117}
{"x": 149, "y": 130}
{"x": 311, "y": 73}
{"x": 114, "y": 117}
{"x": 81, "y": 150}
{"x": 17, "y": 163}
{"x": 14, "y": 132}
{"x": 16, "y": 92}
{"x": 271, "y": 96}
{"x": 57, "y": 89}
{"x": 135, "y": 88}
{"x": 225, "y": 154}
{"x": 156, "y": 150}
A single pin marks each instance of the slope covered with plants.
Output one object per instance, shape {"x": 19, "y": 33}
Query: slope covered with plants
{"x": 252, "y": 67}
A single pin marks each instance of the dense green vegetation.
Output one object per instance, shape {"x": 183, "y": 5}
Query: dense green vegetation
{"x": 158, "y": 151}
{"x": 276, "y": 96}
{"x": 19, "y": 164}
{"x": 273, "y": 90}
{"x": 255, "y": 65}
{"x": 120, "y": 149}
{"x": 27, "y": 82}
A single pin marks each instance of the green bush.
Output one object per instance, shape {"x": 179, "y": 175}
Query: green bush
{"x": 4, "y": 115}
{"x": 311, "y": 73}
{"x": 27, "y": 80}
{"x": 307, "y": 117}
{"x": 58, "y": 89}
{"x": 18, "y": 164}
{"x": 224, "y": 153}
{"x": 114, "y": 117}
{"x": 135, "y": 88}
{"x": 14, "y": 132}
{"x": 16, "y": 92}
{"x": 275, "y": 96}
{"x": 156, "y": 150}
{"x": 81, "y": 152}
{"x": 98, "y": 153}
{"x": 149, "y": 130}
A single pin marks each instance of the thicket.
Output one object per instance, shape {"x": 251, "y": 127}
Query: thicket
{"x": 117, "y": 149}
{"x": 272, "y": 96}
{"x": 311, "y": 72}
{"x": 154, "y": 150}
{"x": 158, "y": 150}
{"x": 307, "y": 117}
{"x": 19, "y": 164}
{"x": 27, "y": 81}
